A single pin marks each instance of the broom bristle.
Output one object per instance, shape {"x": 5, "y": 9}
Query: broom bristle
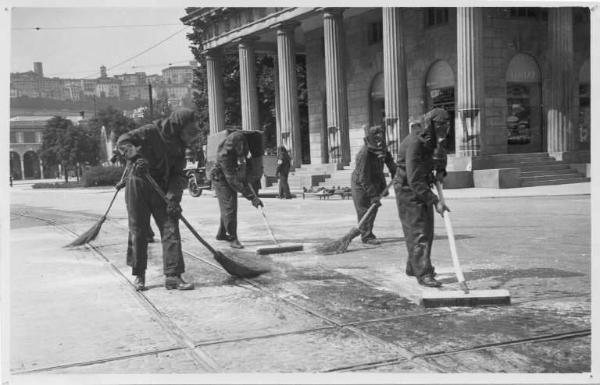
{"x": 339, "y": 246}
{"x": 245, "y": 266}
{"x": 89, "y": 235}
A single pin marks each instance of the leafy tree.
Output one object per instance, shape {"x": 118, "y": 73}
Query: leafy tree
{"x": 115, "y": 123}
{"x": 68, "y": 145}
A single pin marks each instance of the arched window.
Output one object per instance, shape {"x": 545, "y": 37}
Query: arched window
{"x": 523, "y": 101}
{"x": 440, "y": 85}
{"x": 584, "y": 103}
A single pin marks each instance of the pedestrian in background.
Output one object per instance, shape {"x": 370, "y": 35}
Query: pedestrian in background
{"x": 368, "y": 179}
{"x": 283, "y": 171}
{"x": 230, "y": 177}
{"x": 421, "y": 153}
{"x": 157, "y": 149}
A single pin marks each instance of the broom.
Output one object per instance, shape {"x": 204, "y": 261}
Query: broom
{"x": 93, "y": 232}
{"x": 277, "y": 248}
{"x": 340, "y": 246}
{"x": 465, "y": 296}
{"x": 236, "y": 264}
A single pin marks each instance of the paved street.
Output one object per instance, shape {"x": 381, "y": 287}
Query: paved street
{"x": 356, "y": 311}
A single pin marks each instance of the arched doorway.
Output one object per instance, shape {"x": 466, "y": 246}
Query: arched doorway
{"x": 31, "y": 165}
{"x": 440, "y": 86}
{"x": 377, "y": 101}
{"x": 523, "y": 101}
{"x": 15, "y": 165}
{"x": 584, "y": 104}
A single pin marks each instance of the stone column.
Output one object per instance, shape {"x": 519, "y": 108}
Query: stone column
{"x": 277, "y": 107}
{"x": 394, "y": 73}
{"x": 335, "y": 87}
{"x": 41, "y": 169}
{"x": 22, "y": 166}
{"x": 470, "y": 93}
{"x": 560, "y": 104}
{"x": 288, "y": 92}
{"x": 248, "y": 92}
{"x": 214, "y": 76}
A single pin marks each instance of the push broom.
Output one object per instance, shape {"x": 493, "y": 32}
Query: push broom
{"x": 465, "y": 296}
{"x": 235, "y": 263}
{"x": 340, "y": 246}
{"x": 93, "y": 232}
{"x": 277, "y": 248}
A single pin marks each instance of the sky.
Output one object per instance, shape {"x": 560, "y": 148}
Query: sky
{"x": 68, "y": 52}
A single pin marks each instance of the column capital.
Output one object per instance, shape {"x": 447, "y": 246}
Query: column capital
{"x": 246, "y": 40}
{"x": 332, "y": 12}
{"x": 286, "y": 26}
{"x": 212, "y": 52}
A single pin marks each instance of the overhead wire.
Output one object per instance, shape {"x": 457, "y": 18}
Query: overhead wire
{"x": 37, "y": 28}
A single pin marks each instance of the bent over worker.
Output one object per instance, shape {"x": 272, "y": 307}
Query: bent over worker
{"x": 368, "y": 180}
{"x": 420, "y": 153}
{"x": 157, "y": 149}
{"x": 230, "y": 177}
{"x": 284, "y": 163}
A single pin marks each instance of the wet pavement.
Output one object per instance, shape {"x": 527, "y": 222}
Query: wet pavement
{"x": 356, "y": 311}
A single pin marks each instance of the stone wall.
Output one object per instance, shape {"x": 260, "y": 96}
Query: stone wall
{"x": 504, "y": 37}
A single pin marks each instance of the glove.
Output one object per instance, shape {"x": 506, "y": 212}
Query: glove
{"x": 439, "y": 176}
{"x": 140, "y": 166}
{"x": 376, "y": 201}
{"x": 257, "y": 202}
{"x": 120, "y": 185}
{"x": 173, "y": 209}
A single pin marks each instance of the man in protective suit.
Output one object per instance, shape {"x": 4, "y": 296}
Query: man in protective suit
{"x": 284, "y": 163}
{"x": 421, "y": 153}
{"x": 230, "y": 177}
{"x": 368, "y": 180}
{"x": 157, "y": 149}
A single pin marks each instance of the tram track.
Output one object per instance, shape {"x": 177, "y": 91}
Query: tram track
{"x": 206, "y": 362}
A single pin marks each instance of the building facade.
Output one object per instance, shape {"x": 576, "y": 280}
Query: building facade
{"x": 26, "y": 133}
{"x": 500, "y": 72}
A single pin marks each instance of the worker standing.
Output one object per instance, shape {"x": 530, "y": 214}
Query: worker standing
{"x": 283, "y": 171}
{"x": 420, "y": 154}
{"x": 368, "y": 179}
{"x": 230, "y": 177}
{"x": 157, "y": 149}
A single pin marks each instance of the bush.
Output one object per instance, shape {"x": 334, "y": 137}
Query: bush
{"x": 57, "y": 185}
{"x": 101, "y": 176}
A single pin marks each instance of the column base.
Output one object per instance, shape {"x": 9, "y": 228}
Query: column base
{"x": 581, "y": 156}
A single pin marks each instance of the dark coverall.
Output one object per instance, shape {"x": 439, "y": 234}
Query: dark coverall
{"x": 283, "y": 171}
{"x": 415, "y": 200}
{"x": 229, "y": 176}
{"x": 368, "y": 182}
{"x": 164, "y": 151}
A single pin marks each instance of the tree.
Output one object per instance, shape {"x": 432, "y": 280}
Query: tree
{"x": 231, "y": 86}
{"x": 68, "y": 145}
{"x": 115, "y": 123}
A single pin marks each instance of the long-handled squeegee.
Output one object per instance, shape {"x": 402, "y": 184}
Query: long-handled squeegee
{"x": 277, "y": 248}
{"x": 466, "y": 297}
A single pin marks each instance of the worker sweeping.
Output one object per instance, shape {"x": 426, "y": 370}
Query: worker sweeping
{"x": 230, "y": 177}
{"x": 368, "y": 179}
{"x": 420, "y": 154}
{"x": 157, "y": 150}
{"x": 282, "y": 172}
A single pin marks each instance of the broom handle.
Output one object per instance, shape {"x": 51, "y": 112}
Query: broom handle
{"x": 264, "y": 217}
{"x": 451, "y": 240}
{"x": 187, "y": 224}
{"x": 117, "y": 192}
{"x": 372, "y": 207}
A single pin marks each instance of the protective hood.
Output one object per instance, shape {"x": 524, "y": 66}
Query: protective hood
{"x": 429, "y": 134}
{"x": 235, "y": 145}
{"x": 282, "y": 153}
{"x": 170, "y": 128}
{"x": 375, "y": 140}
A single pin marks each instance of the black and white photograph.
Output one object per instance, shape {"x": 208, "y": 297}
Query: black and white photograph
{"x": 340, "y": 193}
